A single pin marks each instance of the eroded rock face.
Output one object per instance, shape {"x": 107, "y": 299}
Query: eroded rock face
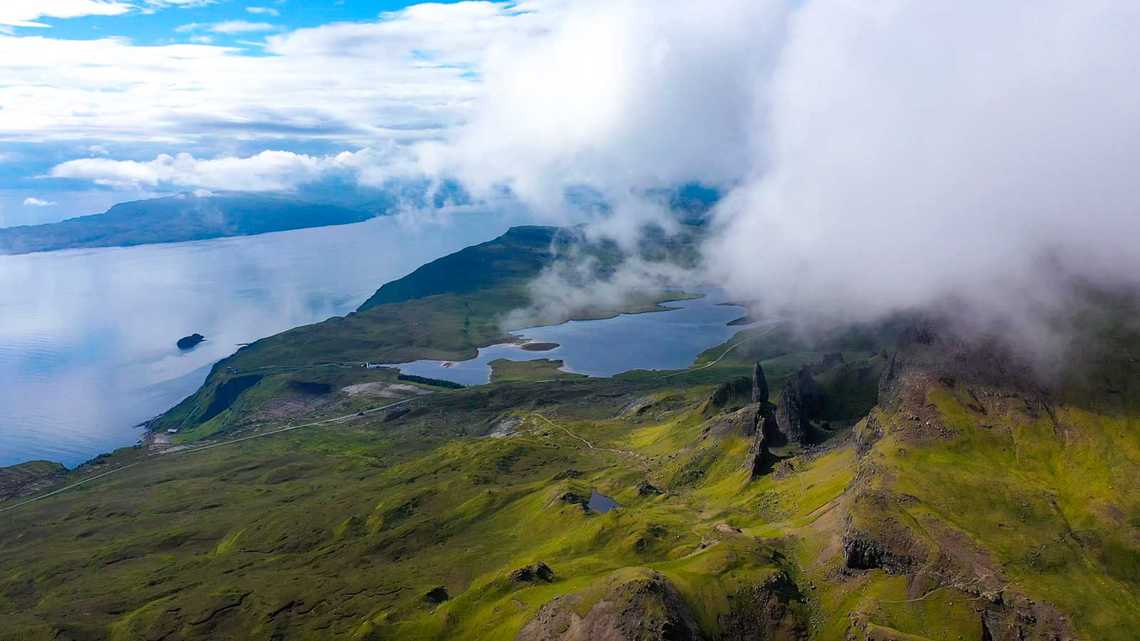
{"x": 1012, "y": 617}
{"x": 642, "y": 606}
{"x": 765, "y": 612}
{"x": 930, "y": 350}
{"x": 742, "y": 422}
{"x": 730, "y": 396}
{"x": 759, "y": 384}
{"x": 801, "y": 401}
{"x": 762, "y": 427}
{"x": 882, "y": 531}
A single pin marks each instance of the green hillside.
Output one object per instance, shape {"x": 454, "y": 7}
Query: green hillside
{"x": 888, "y": 482}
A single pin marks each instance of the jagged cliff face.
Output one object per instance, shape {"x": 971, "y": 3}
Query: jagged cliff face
{"x": 973, "y": 478}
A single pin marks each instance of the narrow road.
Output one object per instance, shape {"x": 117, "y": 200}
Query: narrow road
{"x": 190, "y": 450}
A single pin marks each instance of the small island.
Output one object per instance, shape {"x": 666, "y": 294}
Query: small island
{"x": 539, "y": 347}
{"x": 190, "y": 342}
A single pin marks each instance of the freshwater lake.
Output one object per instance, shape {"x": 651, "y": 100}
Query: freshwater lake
{"x": 655, "y": 340}
{"x": 87, "y": 337}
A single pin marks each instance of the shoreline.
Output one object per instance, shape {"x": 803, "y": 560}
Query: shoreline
{"x": 144, "y": 441}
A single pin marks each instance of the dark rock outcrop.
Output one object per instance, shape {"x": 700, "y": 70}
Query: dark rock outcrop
{"x": 1008, "y": 616}
{"x": 801, "y": 401}
{"x": 766, "y": 432}
{"x": 772, "y": 610}
{"x": 730, "y": 396}
{"x": 759, "y": 384}
{"x": 742, "y": 422}
{"x": 642, "y": 607}
{"x": 539, "y": 572}
{"x": 645, "y": 488}
{"x": 932, "y": 350}
{"x": 574, "y": 498}
{"x": 437, "y": 595}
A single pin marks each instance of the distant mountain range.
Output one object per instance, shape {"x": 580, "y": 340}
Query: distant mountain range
{"x": 175, "y": 219}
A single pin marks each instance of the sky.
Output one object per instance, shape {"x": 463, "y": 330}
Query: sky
{"x": 171, "y": 84}
{"x": 872, "y": 156}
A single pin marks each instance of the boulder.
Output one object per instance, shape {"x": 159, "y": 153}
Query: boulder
{"x": 539, "y": 572}
{"x": 645, "y": 488}
{"x": 436, "y": 595}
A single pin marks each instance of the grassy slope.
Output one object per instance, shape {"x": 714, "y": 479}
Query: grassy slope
{"x": 340, "y": 531}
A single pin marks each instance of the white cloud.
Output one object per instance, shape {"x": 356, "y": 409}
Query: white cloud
{"x": 924, "y": 150}
{"x": 263, "y": 11}
{"x": 404, "y": 76}
{"x": 32, "y": 201}
{"x": 266, "y": 171}
{"x": 26, "y": 13}
{"x": 227, "y": 27}
{"x": 879, "y": 156}
{"x": 621, "y": 97}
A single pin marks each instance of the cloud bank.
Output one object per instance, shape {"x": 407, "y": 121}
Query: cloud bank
{"x": 876, "y": 157}
{"x": 620, "y": 97}
{"x": 917, "y": 152}
{"x": 266, "y": 171}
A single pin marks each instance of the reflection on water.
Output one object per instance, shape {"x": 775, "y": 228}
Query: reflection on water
{"x": 87, "y": 337}
{"x": 657, "y": 340}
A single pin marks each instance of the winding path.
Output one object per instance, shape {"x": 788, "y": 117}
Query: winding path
{"x": 589, "y": 445}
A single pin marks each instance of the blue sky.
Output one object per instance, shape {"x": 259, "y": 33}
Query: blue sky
{"x": 220, "y": 79}
{"x": 162, "y": 26}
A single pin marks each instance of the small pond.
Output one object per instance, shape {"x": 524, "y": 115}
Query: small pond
{"x": 601, "y": 503}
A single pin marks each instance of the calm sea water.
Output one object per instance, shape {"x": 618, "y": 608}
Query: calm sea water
{"x": 657, "y": 340}
{"x": 87, "y": 337}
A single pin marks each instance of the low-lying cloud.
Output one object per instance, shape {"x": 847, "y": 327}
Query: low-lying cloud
{"x": 874, "y": 157}
{"x": 920, "y": 149}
